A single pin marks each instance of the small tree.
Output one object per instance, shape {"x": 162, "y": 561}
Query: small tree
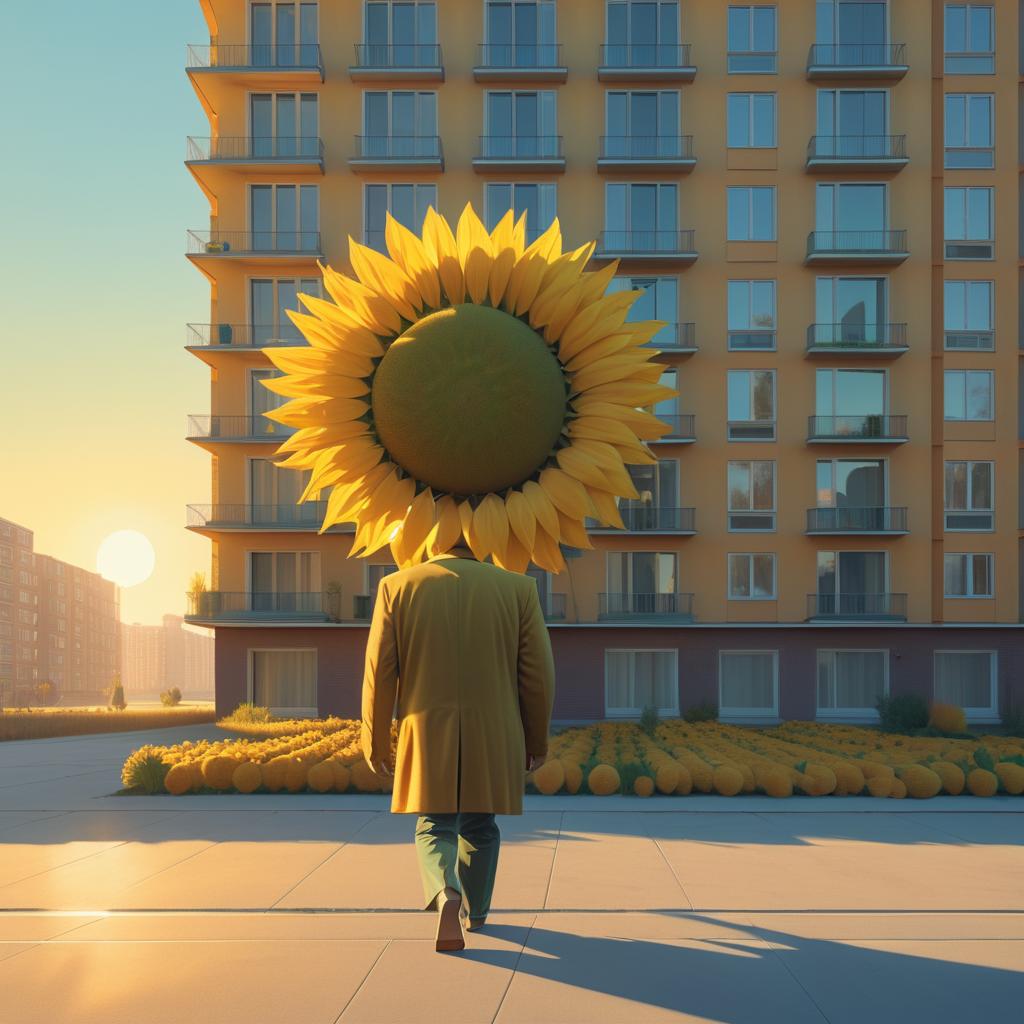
{"x": 171, "y": 698}
{"x": 44, "y": 691}
{"x": 117, "y": 694}
{"x": 196, "y": 589}
{"x": 649, "y": 719}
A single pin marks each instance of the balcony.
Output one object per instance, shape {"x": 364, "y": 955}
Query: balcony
{"x": 247, "y": 606}
{"x": 856, "y": 153}
{"x": 646, "y": 607}
{"x": 844, "y": 519}
{"x": 520, "y": 153}
{"x": 245, "y": 153}
{"x": 857, "y": 60}
{"x": 258, "y": 62}
{"x": 871, "y": 428}
{"x": 970, "y": 341}
{"x": 856, "y": 247}
{"x": 553, "y": 607}
{"x": 637, "y": 518}
{"x": 682, "y": 428}
{"x": 204, "y": 248}
{"x": 402, "y": 62}
{"x": 647, "y": 153}
{"x": 675, "y": 338}
{"x": 520, "y": 62}
{"x": 308, "y": 516}
{"x": 853, "y": 339}
{"x": 405, "y": 152}
{"x": 761, "y": 340}
{"x": 646, "y": 62}
{"x": 241, "y": 337}
{"x": 750, "y": 430}
{"x": 236, "y": 429}
{"x": 865, "y": 607}
{"x": 649, "y": 246}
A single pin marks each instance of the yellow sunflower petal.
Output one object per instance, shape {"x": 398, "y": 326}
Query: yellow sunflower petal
{"x": 621, "y": 366}
{"x": 408, "y": 251}
{"x": 645, "y": 425}
{"x": 301, "y": 411}
{"x": 574, "y": 533}
{"x": 521, "y": 518}
{"x": 637, "y": 454}
{"x": 490, "y": 524}
{"x": 303, "y": 385}
{"x": 579, "y": 465}
{"x": 445, "y": 533}
{"x": 595, "y": 321}
{"x": 567, "y": 494}
{"x": 607, "y": 510}
{"x": 475, "y": 253}
{"x": 469, "y": 531}
{"x": 505, "y": 254}
{"x": 595, "y": 284}
{"x": 563, "y": 312}
{"x": 528, "y": 273}
{"x": 345, "y": 497}
{"x": 540, "y": 505}
{"x": 390, "y": 504}
{"x": 515, "y": 557}
{"x": 318, "y": 437}
{"x": 326, "y": 332}
{"x": 440, "y": 245}
{"x": 408, "y": 544}
{"x": 600, "y": 428}
{"x": 634, "y": 393}
{"x": 546, "y": 552}
{"x": 385, "y": 277}
{"x": 371, "y": 310}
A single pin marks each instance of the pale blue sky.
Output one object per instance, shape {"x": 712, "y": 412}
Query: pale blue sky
{"x": 93, "y": 212}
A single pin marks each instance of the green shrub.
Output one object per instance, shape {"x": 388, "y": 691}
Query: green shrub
{"x": 902, "y": 713}
{"x": 705, "y": 711}
{"x": 117, "y": 697}
{"x": 649, "y": 719}
{"x": 170, "y": 698}
{"x": 144, "y": 769}
{"x": 1013, "y": 721}
{"x": 250, "y": 712}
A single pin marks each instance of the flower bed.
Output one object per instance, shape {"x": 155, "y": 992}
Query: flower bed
{"x": 679, "y": 759}
{"x": 43, "y": 723}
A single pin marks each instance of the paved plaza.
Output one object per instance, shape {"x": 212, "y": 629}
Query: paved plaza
{"x": 305, "y": 908}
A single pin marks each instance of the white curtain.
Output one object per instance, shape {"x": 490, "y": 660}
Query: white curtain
{"x": 284, "y": 679}
{"x": 748, "y": 680}
{"x": 964, "y": 678}
{"x": 634, "y": 679}
{"x": 850, "y": 679}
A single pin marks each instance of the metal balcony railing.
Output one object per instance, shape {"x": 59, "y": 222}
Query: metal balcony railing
{"x": 224, "y": 604}
{"x": 520, "y": 55}
{"x": 242, "y": 335}
{"x": 236, "y": 428}
{"x": 846, "y": 519}
{"x": 256, "y": 148}
{"x": 398, "y": 55}
{"x": 640, "y": 518}
{"x": 970, "y": 341}
{"x": 646, "y": 55}
{"x": 857, "y": 606}
{"x": 675, "y": 338}
{"x": 857, "y": 147}
{"x": 682, "y": 426}
{"x": 520, "y": 147}
{"x": 849, "y": 243}
{"x": 855, "y": 335}
{"x": 642, "y": 242}
{"x": 647, "y": 147}
{"x": 398, "y": 147}
{"x": 857, "y": 55}
{"x": 645, "y": 605}
{"x": 309, "y": 515}
{"x": 868, "y": 427}
{"x": 553, "y": 607}
{"x": 752, "y": 341}
{"x": 255, "y": 57}
{"x": 254, "y": 243}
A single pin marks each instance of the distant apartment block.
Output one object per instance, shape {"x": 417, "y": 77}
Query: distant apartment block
{"x": 157, "y": 658}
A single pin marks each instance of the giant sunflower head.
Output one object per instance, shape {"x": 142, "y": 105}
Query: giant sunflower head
{"x": 469, "y": 386}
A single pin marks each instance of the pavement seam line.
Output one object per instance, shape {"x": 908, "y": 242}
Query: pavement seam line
{"x": 515, "y": 969}
{"x": 366, "y": 977}
{"x": 554, "y": 854}
{"x": 785, "y": 967}
{"x": 668, "y": 864}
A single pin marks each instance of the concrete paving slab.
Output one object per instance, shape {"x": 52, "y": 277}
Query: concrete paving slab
{"x": 17, "y": 927}
{"x": 9, "y": 819}
{"x": 26, "y": 860}
{"x": 9, "y": 949}
{"x": 976, "y": 829}
{"x": 100, "y": 826}
{"x": 777, "y": 927}
{"x": 648, "y": 925}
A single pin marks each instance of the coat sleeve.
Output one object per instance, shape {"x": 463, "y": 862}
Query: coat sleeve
{"x": 380, "y": 680}
{"x": 536, "y": 672}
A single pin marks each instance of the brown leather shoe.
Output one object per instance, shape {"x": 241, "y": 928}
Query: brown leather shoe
{"x": 449, "y": 925}
{"x": 472, "y": 924}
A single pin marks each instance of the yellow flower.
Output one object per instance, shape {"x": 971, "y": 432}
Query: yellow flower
{"x": 468, "y": 385}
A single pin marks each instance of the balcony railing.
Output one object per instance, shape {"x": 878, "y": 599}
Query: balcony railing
{"x": 400, "y": 148}
{"x": 424, "y": 56}
{"x": 863, "y": 57}
{"x": 649, "y": 243}
{"x": 236, "y": 428}
{"x": 640, "y": 518}
{"x": 254, "y": 243}
{"x": 646, "y": 56}
{"x": 245, "y": 148}
{"x": 645, "y": 606}
{"x": 307, "y": 516}
{"x": 255, "y": 57}
{"x": 647, "y": 148}
{"x": 752, "y": 341}
{"x": 675, "y": 338}
{"x": 682, "y": 426}
{"x": 846, "y": 519}
{"x": 868, "y": 427}
{"x": 970, "y": 341}
{"x": 854, "y": 148}
{"x": 857, "y": 243}
{"x": 854, "y": 336}
{"x": 242, "y": 335}
{"x": 520, "y": 147}
{"x": 553, "y": 607}
{"x": 857, "y": 606}
{"x": 223, "y": 604}
{"x": 524, "y": 56}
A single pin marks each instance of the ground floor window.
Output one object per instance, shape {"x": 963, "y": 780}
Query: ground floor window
{"x": 284, "y": 679}
{"x": 850, "y": 682}
{"x": 968, "y": 679}
{"x": 748, "y": 684}
{"x": 634, "y": 679}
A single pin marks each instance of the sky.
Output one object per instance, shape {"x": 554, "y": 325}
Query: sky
{"x": 96, "y": 290}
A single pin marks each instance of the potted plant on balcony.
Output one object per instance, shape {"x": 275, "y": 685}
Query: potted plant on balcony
{"x": 874, "y": 425}
{"x": 333, "y": 592}
{"x": 197, "y": 593}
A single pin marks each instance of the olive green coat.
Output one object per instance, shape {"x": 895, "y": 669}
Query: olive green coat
{"x": 463, "y": 649}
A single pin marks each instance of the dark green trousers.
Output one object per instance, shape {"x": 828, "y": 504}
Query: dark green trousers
{"x": 460, "y": 850}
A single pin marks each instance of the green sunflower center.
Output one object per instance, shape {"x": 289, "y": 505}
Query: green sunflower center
{"x": 469, "y": 400}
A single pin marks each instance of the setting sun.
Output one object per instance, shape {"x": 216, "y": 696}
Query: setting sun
{"x": 126, "y": 557}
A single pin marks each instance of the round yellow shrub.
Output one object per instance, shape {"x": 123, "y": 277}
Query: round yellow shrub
{"x": 823, "y": 776}
{"x": 643, "y": 785}
{"x": 873, "y": 769}
{"x": 952, "y": 776}
{"x": 947, "y": 717}
{"x": 982, "y": 782}
{"x": 247, "y": 777}
{"x": 776, "y": 782}
{"x": 899, "y": 788}
{"x": 685, "y": 784}
{"x": 573, "y": 777}
{"x": 218, "y": 771}
{"x": 849, "y": 779}
{"x": 295, "y": 775}
{"x": 921, "y": 782}
{"x": 320, "y": 777}
{"x": 273, "y": 772}
{"x": 703, "y": 776}
{"x": 666, "y": 778}
{"x": 178, "y": 779}
{"x": 728, "y": 781}
{"x": 1011, "y": 775}
{"x": 603, "y": 780}
{"x": 342, "y": 776}
{"x": 881, "y": 785}
{"x": 364, "y": 778}
{"x": 549, "y": 777}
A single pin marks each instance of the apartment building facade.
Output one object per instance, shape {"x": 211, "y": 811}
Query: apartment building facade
{"x": 822, "y": 202}
{"x": 156, "y": 658}
{"x": 19, "y": 614}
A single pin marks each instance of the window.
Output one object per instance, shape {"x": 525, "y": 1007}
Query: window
{"x": 850, "y": 682}
{"x": 968, "y": 223}
{"x": 641, "y": 217}
{"x": 851, "y": 494}
{"x": 970, "y": 42}
{"x": 659, "y": 301}
{"x": 400, "y": 34}
{"x": 635, "y": 679}
{"x": 967, "y": 315}
{"x": 642, "y": 34}
{"x": 284, "y": 581}
{"x": 752, "y": 576}
{"x": 284, "y": 679}
{"x": 520, "y": 34}
{"x": 408, "y": 204}
{"x": 849, "y": 216}
{"x": 968, "y": 496}
{"x": 751, "y": 213}
{"x": 274, "y": 495}
{"x": 751, "y": 316}
{"x": 521, "y": 125}
{"x": 852, "y": 583}
{"x": 375, "y": 572}
{"x": 642, "y": 582}
{"x": 642, "y": 124}
{"x": 269, "y": 301}
{"x": 967, "y": 679}
{"x": 751, "y": 405}
{"x": 967, "y": 575}
{"x": 285, "y": 217}
{"x": 850, "y": 403}
{"x": 969, "y": 130}
{"x": 400, "y": 125}
{"x": 748, "y": 683}
{"x": 968, "y": 395}
{"x": 284, "y": 34}
{"x": 658, "y": 504}
{"x": 667, "y": 409}
{"x": 283, "y": 124}
{"x": 752, "y": 40}
{"x": 851, "y": 311}
{"x": 853, "y": 123}
{"x": 537, "y": 201}
{"x": 751, "y": 120}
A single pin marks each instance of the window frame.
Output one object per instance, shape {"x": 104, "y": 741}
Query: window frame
{"x": 751, "y": 189}
{"x": 635, "y": 713}
{"x": 389, "y": 186}
{"x": 848, "y": 713}
{"x": 773, "y": 511}
{"x": 749, "y": 713}
{"x": 965, "y": 372}
{"x": 532, "y": 233}
{"x": 969, "y": 576}
{"x": 297, "y": 712}
{"x": 751, "y": 330}
{"x": 965, "y": 286}
{"x": 750, "y": 556}
{"x": 948, "y": 149}
{"x": 774, "y": 420}
{"x": 948, "y": 54}
{"x": 990, "y": 713}
{"x": 751, "y": 120}
{"x": 946, "y": 510}
{"x": 730, "y": 52}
